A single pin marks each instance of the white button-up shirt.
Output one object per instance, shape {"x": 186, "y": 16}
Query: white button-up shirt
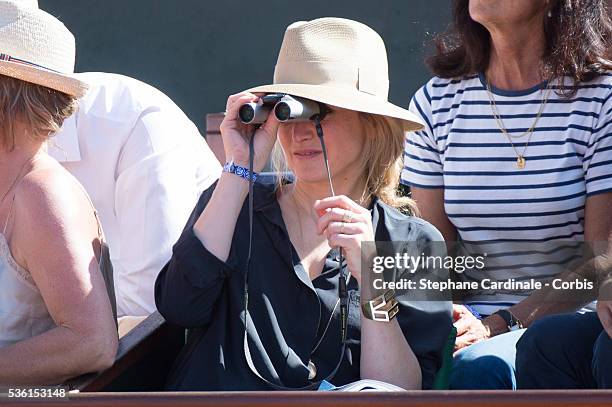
{"x": 144, "y": 164}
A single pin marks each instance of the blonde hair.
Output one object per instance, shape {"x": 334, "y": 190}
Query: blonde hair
{"x": 383, "y": 152}
{"x": 41, "y": 110}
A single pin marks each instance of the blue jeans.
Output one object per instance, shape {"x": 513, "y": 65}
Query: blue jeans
{"x": 570, "y": 351}
{"x": 486, "y": 365}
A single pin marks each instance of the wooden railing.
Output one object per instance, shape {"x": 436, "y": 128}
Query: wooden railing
{"x": 569, "y": 398}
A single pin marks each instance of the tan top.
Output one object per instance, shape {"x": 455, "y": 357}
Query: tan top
{"x": 23, "y": 313}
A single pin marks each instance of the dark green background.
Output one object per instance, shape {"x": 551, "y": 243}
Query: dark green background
{"x": 200, "y": 51}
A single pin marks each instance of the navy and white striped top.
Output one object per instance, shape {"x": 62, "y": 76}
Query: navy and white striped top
{"x": 486, "y": 197}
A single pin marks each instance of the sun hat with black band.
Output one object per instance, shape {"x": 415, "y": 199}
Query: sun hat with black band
{"x": 339, "y": 62}
{"x": 36, "y": 47}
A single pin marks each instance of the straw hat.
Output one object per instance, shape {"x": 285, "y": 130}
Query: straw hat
{"x": 338, "y": 62}
{"x": 36, "y": 47}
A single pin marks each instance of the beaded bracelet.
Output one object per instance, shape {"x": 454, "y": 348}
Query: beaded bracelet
{"x": 240, "y": 171}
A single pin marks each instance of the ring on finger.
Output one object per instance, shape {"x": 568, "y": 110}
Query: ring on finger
{"x": 347, "y": 217}
{"x": 341, "y": 227}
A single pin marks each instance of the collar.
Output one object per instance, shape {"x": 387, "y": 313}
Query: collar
{"x": 64, "y": 146}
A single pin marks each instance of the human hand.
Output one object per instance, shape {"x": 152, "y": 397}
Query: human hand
{"x": 235, "y": 134}
{"x": 604, "y": 305}
{"x": 604, "y": 311}
{"x": 470, "y": 330}
{"x": 345, "y": 224}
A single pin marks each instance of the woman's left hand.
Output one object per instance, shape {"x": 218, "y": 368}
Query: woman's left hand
{"x": 471, "y": 330}
{"x": 346, "y": 225}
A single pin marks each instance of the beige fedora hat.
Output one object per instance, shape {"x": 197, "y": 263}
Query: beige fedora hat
{"x": 338, "y": 62}
{"x": 36, "y": 47}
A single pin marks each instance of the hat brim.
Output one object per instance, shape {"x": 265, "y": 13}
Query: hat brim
{"x": 39, "y": 76}
{"x": 347, "y": 98}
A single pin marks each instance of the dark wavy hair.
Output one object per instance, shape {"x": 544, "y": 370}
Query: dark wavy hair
{"x": 578, "y": 43}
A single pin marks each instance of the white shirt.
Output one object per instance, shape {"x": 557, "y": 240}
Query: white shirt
{"x": 144, "y": 164}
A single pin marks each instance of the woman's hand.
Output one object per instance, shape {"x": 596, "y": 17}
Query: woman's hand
{"x": 604, "y": 312}
{"x": 604, "y": 304}
{"x": 346, "y": 225}
{"x": 471, "y": 330}
{"x": 236, "y": 135}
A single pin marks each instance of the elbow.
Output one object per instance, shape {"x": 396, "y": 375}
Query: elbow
{"x": 171, "y": 313}
{"x": 182, "y": 304}
{"x": 415, "y": 382}
{"x": 165, "y": 306}
{"x": 184, "y": 319}
{"x": 96, "y": 351}
{"x": 105, "y": 354}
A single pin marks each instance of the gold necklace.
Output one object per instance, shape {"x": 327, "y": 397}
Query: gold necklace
{"x": 520, "y": 157}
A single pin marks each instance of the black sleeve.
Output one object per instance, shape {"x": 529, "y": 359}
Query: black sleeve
{"x": 188, "y": 287}
{"x": 427, "y": 322}
{"x": 426, "y": 326}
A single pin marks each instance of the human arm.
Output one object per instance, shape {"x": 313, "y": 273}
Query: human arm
{"x": 548, "y": 300}
{"x": 423, "y": 169}
{"x": 431, "y": 208}
{"x": 385, "y": 352}
{"x": 604, "y": 311}
{"x": 604, "y": 304}
{"x": 187, "y": 288}
{"x": 215, "y": 227}
{"x": 598, "y": 226}
{"x": 55, "y": 238}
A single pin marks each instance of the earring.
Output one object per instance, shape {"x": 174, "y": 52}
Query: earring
{"x": 549, "y": 14}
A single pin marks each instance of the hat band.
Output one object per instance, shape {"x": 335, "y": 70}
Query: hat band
{"x": 364, "y": 79}
{"x": 8, "y": 58}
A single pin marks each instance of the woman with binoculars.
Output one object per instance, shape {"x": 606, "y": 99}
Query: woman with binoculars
{"x": 297, "y": 320}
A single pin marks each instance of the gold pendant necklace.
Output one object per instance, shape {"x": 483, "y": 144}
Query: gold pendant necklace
{"x": 521, "y": 162}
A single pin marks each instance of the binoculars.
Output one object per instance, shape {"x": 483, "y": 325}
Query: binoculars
{"x": 285, "y": 107}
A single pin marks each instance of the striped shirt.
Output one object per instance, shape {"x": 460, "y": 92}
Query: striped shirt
{"x": 538, "y": 209}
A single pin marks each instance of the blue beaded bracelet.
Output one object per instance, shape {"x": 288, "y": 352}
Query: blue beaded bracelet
{"x": 240, "y": 171}
{"x": 473, "y": 311}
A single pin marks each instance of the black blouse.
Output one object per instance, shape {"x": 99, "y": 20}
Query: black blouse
{"x": 291, "y": 320}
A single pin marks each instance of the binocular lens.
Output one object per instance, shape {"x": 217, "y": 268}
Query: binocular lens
{"x": 282, "y": 111}
{"x": 253, "y": 113}
{"x": 246, "y": 113}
